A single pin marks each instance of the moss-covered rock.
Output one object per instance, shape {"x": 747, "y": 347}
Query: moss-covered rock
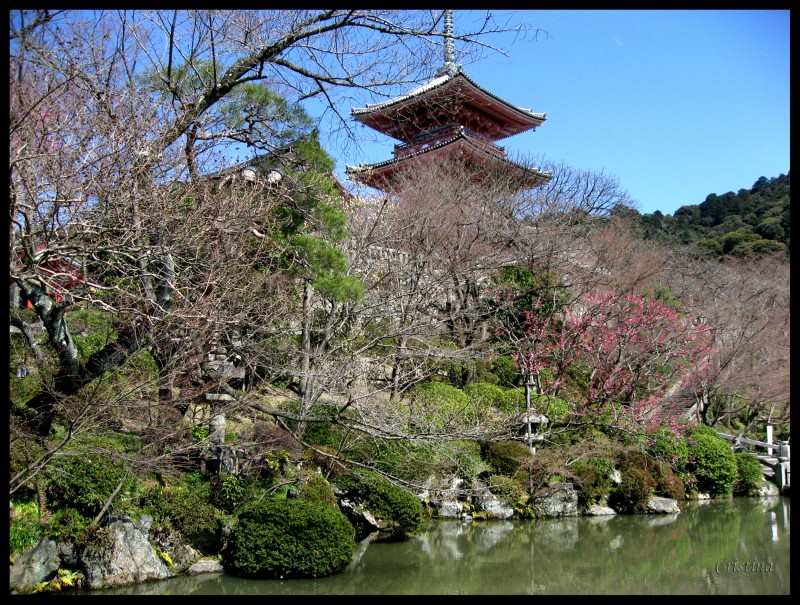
{"x": 397, "y": 510}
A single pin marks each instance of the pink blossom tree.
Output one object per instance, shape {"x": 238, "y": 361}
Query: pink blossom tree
{"x": 621, "y": 355}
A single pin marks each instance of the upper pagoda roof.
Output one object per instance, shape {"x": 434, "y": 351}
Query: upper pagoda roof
{"x": 392, "y": 116}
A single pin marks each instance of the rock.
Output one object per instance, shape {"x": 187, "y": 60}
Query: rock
{"x": 69, "y": 556}
{"x": 556, "y": 500}
{"x": 181, "y": 554}
{"x": 451, "y": 505}
{"x": 217, "y": 430}
{"x": 658, "y": 505}
{"x": 487, "y": 502}
{"x": 34, "y": 567}
{"x": 596, "y": 510}
{"x": 205, "y": 566}
{"x": 128, "y": 558}
{"x": 364, "y": 522}
{"x": 450, "y": 509}
{"x": 144, "y": 523}
{"x": 768, "y": 489}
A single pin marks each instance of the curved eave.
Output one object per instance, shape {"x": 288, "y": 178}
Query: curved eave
{"x": 383, "y": 116}
{"x": 380, "y": 175}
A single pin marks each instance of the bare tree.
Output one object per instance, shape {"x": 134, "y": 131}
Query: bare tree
{"x": 747, "y": 381}
{"x": 114, "y": 111}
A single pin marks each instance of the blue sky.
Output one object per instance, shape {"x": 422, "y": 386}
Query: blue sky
{"x": 675, "y": 104}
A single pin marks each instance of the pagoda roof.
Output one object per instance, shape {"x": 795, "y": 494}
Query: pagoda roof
{"x": 389, "y": 117}
{"x": 381, "y": 175}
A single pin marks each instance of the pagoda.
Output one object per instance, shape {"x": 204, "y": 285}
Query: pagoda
{"x": 449, "y": 116}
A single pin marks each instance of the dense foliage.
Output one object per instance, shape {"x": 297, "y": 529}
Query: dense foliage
{"x": 749, "y": 223}
{"x": 636, "y": 487}
{"x": 186, "y": 508}
{"x": 400, "y": 511}
{"x": 711, "y": 461}
{"x": 289, "y": 539}
{"x": 748, "y": 474}
{"x": 85, "y": 480}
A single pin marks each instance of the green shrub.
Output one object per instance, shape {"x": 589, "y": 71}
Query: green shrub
{"x": 505, "y": 368}
{"x": 436, "y": 406}
{"x": 592, "y": 479}
{"x": 200, "y": 433}
{"x": 22, "y": 452}
{"x": 513, "y": 401}
{"x": 507, "y": 457}
{"x": 227, "y": 491}
{"x": 485, "y": 397}
{"x": 324, "y": 432}
{"x": 69, "y": 526}
{"x": 711, "y": 461}
{"x": 416, "y": 461}
{"x": 761, "y": 247}
{"x": 461, "y": 458}
{"x": 23, "y": 526}
{"x": 289, "y": 539}
{"x": 315, "y": 488}
{"x": 748, "y": 474}
{"x": 399, "y": 510}
{"x": 187, "y": 509}
{"x": 483, "y": 373}
{"x": 92, "y": 329}
{"x": 633, "y": 493}
{"x": 669, "y": 448}
{"x": 555, "y": 408}
{"x": 21, "y": 390}
{"x": 84, "y": 480}
{"x": 668, "y": 484}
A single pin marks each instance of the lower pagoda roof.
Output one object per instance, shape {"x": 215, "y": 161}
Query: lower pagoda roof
{"x": 383, "y": 175}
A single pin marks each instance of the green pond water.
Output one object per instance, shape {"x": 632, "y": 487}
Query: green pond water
{"x": 727, "y": 547}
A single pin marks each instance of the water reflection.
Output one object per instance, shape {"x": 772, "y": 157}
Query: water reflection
{"x": 738, "y": 546}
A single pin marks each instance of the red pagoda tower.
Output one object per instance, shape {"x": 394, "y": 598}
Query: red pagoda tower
{"x": 447, "y": 117}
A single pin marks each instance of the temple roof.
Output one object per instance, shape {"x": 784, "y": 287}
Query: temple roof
{"x": 392, "y": 116}
{"x": 381, "y": 175}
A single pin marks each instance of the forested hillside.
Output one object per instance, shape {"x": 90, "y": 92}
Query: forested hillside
{"x": 750, "y": 223}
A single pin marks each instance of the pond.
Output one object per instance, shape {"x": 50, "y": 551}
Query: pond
{"x": 738, "y": 546}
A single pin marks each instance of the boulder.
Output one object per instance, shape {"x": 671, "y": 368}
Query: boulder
{"x": 450, "y": 509}
{"x": 34, "y": 567}
{"x": 768, "y": 489}
{"x": 658, "y": 505}
{"x": 205, "y": 566}
{"x": 596, "y": 510}
{"x": 361, "y": 519}
{"x": 127, "y": 558}
{"x": 488, "y": 503}
{"x": 556, "y": 500}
